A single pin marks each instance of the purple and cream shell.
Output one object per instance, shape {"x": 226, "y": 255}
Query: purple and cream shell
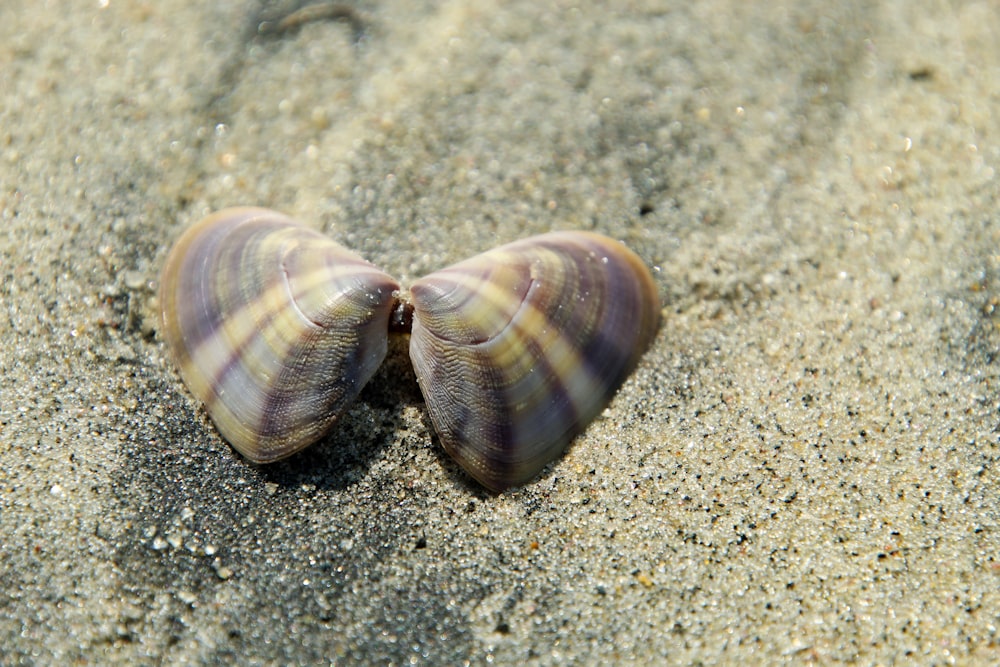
{"x": 273, "y": 326}
{"x": 516, "y": 350}
{"x": 276, "y": 329}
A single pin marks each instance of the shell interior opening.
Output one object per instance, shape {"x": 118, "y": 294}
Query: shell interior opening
{"x": 401, "y": 317}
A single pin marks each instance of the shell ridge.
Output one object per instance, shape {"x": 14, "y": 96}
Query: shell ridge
{"x": 481, "y": 342}
{"x": 471, "y": 301}
{"x": 293, "y": 299}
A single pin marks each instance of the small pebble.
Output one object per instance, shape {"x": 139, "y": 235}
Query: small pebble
{"x": 134, "y": 280}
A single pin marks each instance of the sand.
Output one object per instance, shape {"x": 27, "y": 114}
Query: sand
{"x": 802, "y": 469}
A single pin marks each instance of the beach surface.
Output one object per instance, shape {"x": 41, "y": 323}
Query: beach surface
{"x": 802, "y": 469}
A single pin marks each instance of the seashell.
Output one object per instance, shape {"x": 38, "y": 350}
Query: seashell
{"x": 273, "y": 326}
{"x": 277, "y": 328}
{"x": 516, "y": 350}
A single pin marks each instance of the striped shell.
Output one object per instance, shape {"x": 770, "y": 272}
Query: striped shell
{"x": 273, "y": 326}
{"x": 516, "y": 350}
{"x": 277, "y": 328}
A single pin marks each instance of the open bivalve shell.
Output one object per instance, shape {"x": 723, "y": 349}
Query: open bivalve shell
{"x": 276, "y": 329}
